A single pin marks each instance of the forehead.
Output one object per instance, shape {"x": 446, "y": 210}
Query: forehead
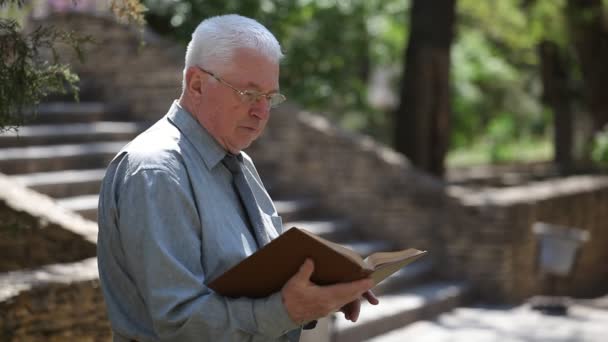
{"x": 252, "y": 69}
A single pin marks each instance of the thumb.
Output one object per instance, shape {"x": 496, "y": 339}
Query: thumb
{"x": 306, "y": 270}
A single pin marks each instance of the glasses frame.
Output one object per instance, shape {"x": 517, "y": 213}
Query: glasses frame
{"x": 250, "y": 96}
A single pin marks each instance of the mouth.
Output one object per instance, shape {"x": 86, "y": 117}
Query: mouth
{"x": 250, "y": 129}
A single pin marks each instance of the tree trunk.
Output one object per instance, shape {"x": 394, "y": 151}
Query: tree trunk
{"x": 589, "y": 33}
{"x": 422, "y": 129}
{"x": 557, "y": 95}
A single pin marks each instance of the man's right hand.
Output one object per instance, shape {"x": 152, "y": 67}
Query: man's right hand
{"x": 306, "y": 301}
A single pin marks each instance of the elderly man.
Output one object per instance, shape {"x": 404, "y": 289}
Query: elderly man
{"x": 175, "y": 206}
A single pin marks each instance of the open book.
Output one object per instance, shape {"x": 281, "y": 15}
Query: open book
{"x": 267, "y": 270}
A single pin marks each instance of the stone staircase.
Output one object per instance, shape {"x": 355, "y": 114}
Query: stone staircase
{"x": 65, "y": 150}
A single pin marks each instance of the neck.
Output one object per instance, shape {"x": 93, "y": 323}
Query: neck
{"x": 186, "y": 104}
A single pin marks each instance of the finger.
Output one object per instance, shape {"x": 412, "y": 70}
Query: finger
{"x": 306, "y": 270}
{"x": 348, "y": 310}
{"x": 346, "y": 292}
{"x": 371, "y": 297}
{"x": 355, "y": 310}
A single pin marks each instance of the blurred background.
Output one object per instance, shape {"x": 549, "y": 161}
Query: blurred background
{"x": 513, "y": 81}
{"x": 487, "y": 80}
{"x": 475, "y": 129}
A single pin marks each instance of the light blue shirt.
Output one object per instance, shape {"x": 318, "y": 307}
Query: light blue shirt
{"x": 170, "y": 221}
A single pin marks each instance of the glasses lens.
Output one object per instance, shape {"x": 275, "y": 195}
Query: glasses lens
{"x": 251, "y": 97}
{"x": 273, "y": 99}
{"x": 276, "y": 99}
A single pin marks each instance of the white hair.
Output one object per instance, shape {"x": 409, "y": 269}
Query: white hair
{"x": 216, "y": 39}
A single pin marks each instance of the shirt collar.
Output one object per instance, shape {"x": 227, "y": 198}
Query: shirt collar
{"x": 209, "y": 149}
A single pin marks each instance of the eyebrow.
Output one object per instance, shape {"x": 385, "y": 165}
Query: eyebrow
{"x": 258, "y": 88}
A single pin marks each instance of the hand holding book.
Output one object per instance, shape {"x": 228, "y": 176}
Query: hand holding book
{"x": 305, "y": 301}
{"x": 268, "y": 270}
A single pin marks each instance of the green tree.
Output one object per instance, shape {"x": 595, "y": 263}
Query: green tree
{"x": 588, "y": 25}
{"x": 30, "y": 66}
{"x": 26, "y": 75}
{"x": 422, "y": 127}
{"x": 328, "y": 47}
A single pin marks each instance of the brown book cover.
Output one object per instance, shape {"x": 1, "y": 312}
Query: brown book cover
{"x": 267, "y": 270}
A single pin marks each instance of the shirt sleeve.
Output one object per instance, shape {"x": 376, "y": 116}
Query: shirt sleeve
{"x": 161, "y": 235}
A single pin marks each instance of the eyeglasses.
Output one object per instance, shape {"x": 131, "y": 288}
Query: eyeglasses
{"x": 251, "y": 96}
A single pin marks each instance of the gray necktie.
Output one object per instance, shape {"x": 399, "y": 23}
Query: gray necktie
{"x": 236, "y": 167}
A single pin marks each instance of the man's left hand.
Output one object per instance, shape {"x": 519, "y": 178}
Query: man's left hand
{"x": 351, "y": 310}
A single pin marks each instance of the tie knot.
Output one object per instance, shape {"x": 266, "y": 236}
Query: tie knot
{"x": 233, "y": 163}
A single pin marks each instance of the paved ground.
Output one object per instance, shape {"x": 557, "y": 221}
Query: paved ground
{"x": 587, "y": 321}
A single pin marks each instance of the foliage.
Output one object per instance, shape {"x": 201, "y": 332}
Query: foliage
{"x": 599, "y": 153}
{"x": 480, "y": 153}
{"x": 129, "y": 11}
{"x": 9, "y": 2}
{"x": 332, "y": 47}
{"x": 329, "y": 46}
{"x": 25, "y": 77}
{"x": 496, "y": 69}
{"x": 30, "y": 67}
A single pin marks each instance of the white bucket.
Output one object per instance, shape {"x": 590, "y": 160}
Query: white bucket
{"x": 558, "y": 247}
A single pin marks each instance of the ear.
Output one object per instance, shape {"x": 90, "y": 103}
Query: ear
{"x": 195, "y": 82}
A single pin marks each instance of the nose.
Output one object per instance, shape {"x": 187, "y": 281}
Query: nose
{"x": 261, "y": 108}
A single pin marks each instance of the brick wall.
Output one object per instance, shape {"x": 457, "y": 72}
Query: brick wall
{"x": 355, "y": 176}
{"x": 124, "y": 66}
{"x": 493, "y": 244}
{"x": 56, "y": 312}
{"x": 48, "y": 287}
{"x": 483, "y": 236}
{"x": 34, "y": 231}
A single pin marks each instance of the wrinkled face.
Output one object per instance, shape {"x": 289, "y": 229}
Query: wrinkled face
{"x": 233, "y": 122}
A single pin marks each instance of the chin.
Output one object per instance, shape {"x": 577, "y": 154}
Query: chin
{"x": 237, "y": 148}
{"x": 244, "y": 146}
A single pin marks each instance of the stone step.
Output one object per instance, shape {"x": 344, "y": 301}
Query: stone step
{"x": 59, "y": 184}
{"x": 507, "y": 323}
{"x": 367, "y": 247}
{"x": 58, "y": 157}
{"x": 64, "y": 112}
{"x": 71, "y": 133}
{"x": 296, "y": 208}
{"x": 12, "y": 283}
{"x": 85, "y": 205}
{"x": 335, "y": 230}
{"x": 69, "y": 183}
{"x": 399, "y": 309}
{"x": 413, "y": 275}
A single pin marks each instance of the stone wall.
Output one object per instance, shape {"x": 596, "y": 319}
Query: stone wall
{"x": 483, "y": 236}
{"x": 124, "y": 66}
{"x": 355, "y": 176}
{"x": 491, "y": 240}
{"x": 34, "y": 231}
{"x": 56, "y": 312}
{"x": 48, "y": 288}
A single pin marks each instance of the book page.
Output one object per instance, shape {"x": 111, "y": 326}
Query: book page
{"x": 376, "y": 260}
{"x": 384, "y": 270}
